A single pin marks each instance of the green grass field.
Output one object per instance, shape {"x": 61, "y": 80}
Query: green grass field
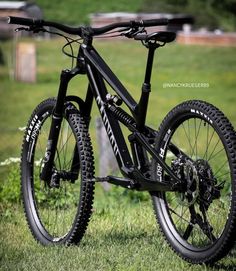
{"x": 77, "y": 12}
{"x": 122, "y": 234}
{"x": 173, "y": 64}
{"x": 214, "y": 15}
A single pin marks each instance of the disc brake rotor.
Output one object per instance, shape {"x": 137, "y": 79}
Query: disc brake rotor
{"x": 186, "y": 170}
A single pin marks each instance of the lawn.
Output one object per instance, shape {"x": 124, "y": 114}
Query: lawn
{"x": 173, "y": 64}
{"x": 122, "y": 234}
{"x": 77, "y": 12}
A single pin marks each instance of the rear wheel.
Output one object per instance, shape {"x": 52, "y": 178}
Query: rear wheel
{"x": 198, "y": 143}
{"x": 57, "y": 212}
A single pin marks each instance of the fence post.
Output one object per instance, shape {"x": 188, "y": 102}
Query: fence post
{"x": 25, "y": 62}
{"x": 107, "y": 161}
{"x": 2, "y": 62}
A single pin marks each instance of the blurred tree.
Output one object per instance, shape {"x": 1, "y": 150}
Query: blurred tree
{"x": 2, "y": 62}
{"x": 209, "y": 13}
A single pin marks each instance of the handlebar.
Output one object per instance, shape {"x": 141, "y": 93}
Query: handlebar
{"x": 78, "y": 30}
{"x": 41, "y": 23}
{"x": 142, "y": 23}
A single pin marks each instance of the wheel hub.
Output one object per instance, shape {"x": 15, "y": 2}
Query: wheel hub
{"x": 200, "y": 184}
{"x": 207, "y": 188}
{"x": 62, "y": 175}
{"x": 185, "y": 170}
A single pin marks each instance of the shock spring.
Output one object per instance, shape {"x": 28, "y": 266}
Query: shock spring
{"x": 122, "y": 116}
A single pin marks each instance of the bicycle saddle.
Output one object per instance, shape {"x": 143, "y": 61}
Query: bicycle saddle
{"x": 162, "y": 36}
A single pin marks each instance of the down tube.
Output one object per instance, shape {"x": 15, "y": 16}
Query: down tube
{"x": 111, "y": 124}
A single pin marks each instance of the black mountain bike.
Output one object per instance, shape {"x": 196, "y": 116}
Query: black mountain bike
{"x": 188, "y": 165}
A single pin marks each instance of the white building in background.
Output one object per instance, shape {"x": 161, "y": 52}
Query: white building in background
{"x": 16, "y": 8}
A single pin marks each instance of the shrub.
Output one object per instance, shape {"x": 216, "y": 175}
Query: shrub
{"x": 10, "y": 188}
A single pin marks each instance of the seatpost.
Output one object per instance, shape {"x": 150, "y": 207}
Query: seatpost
{"x": 146, "y": 87}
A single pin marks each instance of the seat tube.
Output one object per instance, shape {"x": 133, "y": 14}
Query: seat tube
{"x": 146, "y": 88}
{"x": 57, "y": 116}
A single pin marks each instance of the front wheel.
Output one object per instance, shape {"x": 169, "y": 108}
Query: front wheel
{"x": 57, "y": 212}
{"x": 198, "y": 143}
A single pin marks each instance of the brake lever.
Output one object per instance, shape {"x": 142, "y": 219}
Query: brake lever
{"x": 132, "y": 32}
{"x": 18, "y": 29}
{"x": 129, "y": 33}
{"x": 34, "y": 29}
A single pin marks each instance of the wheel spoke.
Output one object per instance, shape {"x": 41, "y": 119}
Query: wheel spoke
{"x": 197, "y": 216}
{"x": 222, "y": 166}
{"x": 209, "y": 158}
{"x": 53, "y": 208}
{"x": 220, "y": 151}
{"x": 222, "y": 175}
{"x": 197, "y": 131}
{"x": 188, "y": 137}
{"x": 182, "y": 218}
{"x": 208, "y": 143}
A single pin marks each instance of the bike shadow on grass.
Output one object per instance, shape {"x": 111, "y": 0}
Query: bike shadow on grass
{"x": 124, "y": 238}
{"x": 219, "y": 266}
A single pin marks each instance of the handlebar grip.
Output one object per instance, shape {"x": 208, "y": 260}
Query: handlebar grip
{"x": 184, "y": 20}
{"x": 155, "y": 22}
{"x": 24, "y": 21}
{"x": 41, "y": 23}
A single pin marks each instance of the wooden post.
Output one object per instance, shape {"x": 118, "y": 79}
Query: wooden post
{"x": 2, "y": 62}
{"x": 25, "y": 62}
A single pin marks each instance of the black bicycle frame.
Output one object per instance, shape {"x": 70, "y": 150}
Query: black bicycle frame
{"x": 98, "y": 72}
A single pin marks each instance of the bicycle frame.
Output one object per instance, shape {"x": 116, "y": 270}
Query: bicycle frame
{"x": 142, "y": 137}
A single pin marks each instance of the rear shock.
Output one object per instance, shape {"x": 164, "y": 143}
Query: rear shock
{"x": 122, "y": 116}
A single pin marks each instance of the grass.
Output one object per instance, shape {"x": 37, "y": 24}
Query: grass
{"x": 122, "y": 235}
{"x": 173, "y": 64}
{"x": 77, "y": 12}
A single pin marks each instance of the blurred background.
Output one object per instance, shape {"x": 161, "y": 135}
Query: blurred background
{"x": 204, "y": 52}
{"x": 200, "y": 64}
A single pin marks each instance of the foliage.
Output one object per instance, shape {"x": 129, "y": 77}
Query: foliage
{"x": 10, "y": 188}
{"x": 129, "y": 196}
{"x": 10, "y": 192}
{"x": 121, "y": 235}
{"x": 211, "y": 13}
{"x": 173, "y": 63}
{"x": 2, "y": 60}
{"x": 208, "y": 13}
{"x": 78, "y": 11}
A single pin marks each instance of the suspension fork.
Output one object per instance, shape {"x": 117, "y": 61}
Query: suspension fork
{"x": 57, "y": 115}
